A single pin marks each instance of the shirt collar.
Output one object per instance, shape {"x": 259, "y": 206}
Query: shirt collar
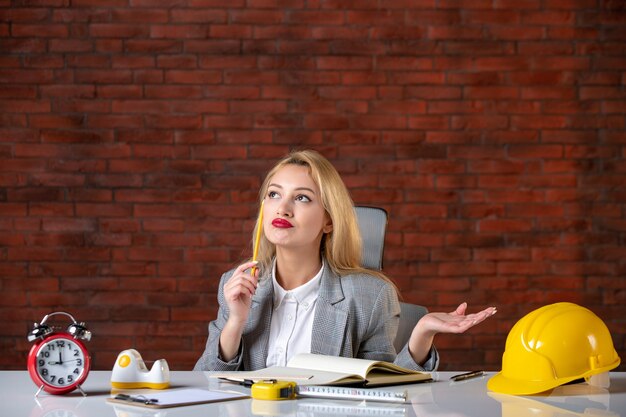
{"x": 305, "y": 293}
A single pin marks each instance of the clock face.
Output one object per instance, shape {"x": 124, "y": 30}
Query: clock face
{"x": 61, "y": 362}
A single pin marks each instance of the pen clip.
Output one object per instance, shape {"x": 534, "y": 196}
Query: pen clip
{"x": 137, "y": 399}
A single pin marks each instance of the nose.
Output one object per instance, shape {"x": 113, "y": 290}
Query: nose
{"x": 284, "y": 208}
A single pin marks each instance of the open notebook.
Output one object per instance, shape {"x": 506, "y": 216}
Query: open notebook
{"x": 313, "y": 369}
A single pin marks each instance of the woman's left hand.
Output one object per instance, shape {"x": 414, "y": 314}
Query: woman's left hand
{"x": 456, "y": 321}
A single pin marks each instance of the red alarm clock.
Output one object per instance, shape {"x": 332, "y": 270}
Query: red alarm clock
{"x": 59, "y": 362}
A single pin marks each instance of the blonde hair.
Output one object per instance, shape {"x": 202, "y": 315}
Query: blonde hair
{"x": 342, "y": 246}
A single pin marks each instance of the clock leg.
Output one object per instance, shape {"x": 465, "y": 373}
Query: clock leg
{"x": 38, "y": 391}
{"x": 78, "y": 387}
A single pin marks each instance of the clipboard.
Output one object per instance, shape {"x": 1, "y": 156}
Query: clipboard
{"x": 176, "y": 398}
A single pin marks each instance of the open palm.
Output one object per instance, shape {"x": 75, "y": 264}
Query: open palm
{"x": 456, "y": 321}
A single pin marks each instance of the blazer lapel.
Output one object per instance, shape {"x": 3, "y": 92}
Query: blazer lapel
{"x": 331, "y": 319}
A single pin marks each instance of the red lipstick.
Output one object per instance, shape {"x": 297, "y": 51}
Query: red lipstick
{"x": 281, "y": 223}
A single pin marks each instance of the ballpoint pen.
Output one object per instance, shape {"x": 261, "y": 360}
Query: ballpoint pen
{"x": 245, "y": 382}
{"x": 467, "y": 375}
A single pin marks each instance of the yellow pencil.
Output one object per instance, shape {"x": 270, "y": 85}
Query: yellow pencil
{"x": 258, "y": 236}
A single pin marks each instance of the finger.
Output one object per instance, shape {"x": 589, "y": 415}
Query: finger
{"x": 239, "y": 285}
{"x": 486, "y": 313}
{"x": 244, "y": 266}
{"x": 238, "y": 298}
{"x": 460, "y": 310}
{"x": 241, "y": 274}
{"x": 481, "y": 316}
{"x": 241, "y": 278}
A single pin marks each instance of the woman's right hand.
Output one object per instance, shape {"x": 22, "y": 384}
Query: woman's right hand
{"x": 238, "y": 292}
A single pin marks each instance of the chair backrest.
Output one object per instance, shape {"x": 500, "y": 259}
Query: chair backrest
{"x": 410, "y": 314}
{"x": 373, "y": 225}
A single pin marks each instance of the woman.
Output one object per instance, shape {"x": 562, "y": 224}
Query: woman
{"x": 308, "y": 292}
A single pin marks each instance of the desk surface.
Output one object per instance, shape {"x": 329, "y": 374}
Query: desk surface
{"x": 440, "y": 398}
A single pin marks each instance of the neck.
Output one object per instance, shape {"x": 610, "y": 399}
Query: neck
{"x": 295, "y": 268}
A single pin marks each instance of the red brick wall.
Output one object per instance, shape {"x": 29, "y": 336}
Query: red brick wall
{"x": 135, "y": 133}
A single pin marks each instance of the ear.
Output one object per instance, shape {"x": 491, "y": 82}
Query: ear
{"x": 328, "y": 224}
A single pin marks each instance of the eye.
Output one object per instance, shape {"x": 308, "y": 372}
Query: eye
{"x": 303, "y": 198}
{"x": 272, "y": 194}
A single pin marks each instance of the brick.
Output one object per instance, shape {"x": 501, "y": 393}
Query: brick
{"x": 496, "y": 166}
{"x": 238, "y": 32}
{"x": 68, "y": 224}
{"x": 200, "y": 15}
{"x": 520, "y": 196}
{"x": 104, "y": 76}
{"x": 70, "y": 15}
{"x": 539, "y": 151}
{"x": 56, "y": 121}
{"x": 423, "y": 152}
{"x": 118, "y": 30}
{"x": 206, "y": 255}
{"x": 572, "y": 33}
{"x": 193, "y": 77}
{"x": 447, "y": 137}
{"x": 51, "y": 209}
{"x": 453, "y": 32}
{"x": 141, "y": 313}
{"x": 466, "y": 268}
{"x": 25, "y": 106}
{"x": 17, "y": 91}
{"x": 227, "y": 122}
{"x": 200, "y": 106}
{"x": 39, "y": 31}
{"x": 504, "y": 225}
{"x": 267, "y": 16}
{"x": 141, "y": 15}
{"x": 52, "y": 61}
{"x": 510, "y": 254}
{"x": 153, "y": 45}
{"x": 72, "y": 136}
{"x": 174, "y": 122}
{"x": 178, "y": 31}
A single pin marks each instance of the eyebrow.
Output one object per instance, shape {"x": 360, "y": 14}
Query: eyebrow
{"x": 298, "y": 188}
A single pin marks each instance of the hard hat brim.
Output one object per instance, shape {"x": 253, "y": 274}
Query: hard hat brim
{"x": 500, "y": 383}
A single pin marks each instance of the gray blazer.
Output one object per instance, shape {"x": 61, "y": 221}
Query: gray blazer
{"x": 355, "y": 316}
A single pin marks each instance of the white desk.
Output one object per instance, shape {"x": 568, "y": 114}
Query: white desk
{"x": 440, "y": 398}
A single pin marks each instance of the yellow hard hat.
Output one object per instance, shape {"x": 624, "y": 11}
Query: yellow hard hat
{"x": 551, "y": 346}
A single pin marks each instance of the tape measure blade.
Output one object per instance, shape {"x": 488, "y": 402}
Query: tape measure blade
{"x": 321, "y": 391}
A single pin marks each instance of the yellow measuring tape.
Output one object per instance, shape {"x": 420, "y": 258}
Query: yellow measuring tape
{"x": 274, "y": 390}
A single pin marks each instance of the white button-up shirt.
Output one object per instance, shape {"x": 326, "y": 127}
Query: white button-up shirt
{"x": 292, "y": 320}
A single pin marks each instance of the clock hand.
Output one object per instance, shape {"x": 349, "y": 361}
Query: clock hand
{"x": 59, "y": 362}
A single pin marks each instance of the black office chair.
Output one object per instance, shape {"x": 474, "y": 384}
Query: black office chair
{"x": 373, "y": 224}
